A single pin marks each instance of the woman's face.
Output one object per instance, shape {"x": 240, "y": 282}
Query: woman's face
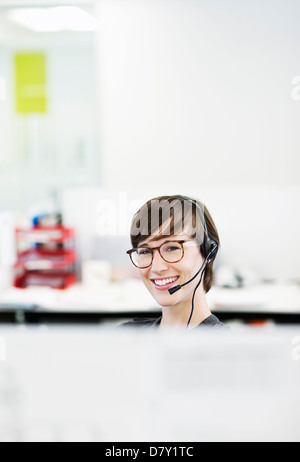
{"x": 157, "y": 275}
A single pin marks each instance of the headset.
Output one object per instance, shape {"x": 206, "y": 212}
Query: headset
{"x": 209, "y": 250}
{"x": 209, "y": 247}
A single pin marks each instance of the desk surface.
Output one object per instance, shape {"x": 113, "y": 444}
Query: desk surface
{"x": 131, "y": 296}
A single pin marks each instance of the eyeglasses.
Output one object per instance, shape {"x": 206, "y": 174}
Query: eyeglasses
{"x": 171, "y": 252}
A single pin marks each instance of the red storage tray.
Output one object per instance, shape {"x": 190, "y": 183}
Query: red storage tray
{"x": 59, "y": 280}
{"x": 45, "y": 257}
{"x": 54, "y": 235}
{"x": 41, "y": 259}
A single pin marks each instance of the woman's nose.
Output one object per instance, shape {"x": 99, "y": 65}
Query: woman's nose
{"x": 158, "y": 263}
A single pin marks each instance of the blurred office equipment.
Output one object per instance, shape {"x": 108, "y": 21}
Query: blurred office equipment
{"x": 45, "y": 257}
{"x": 95, "y": 384}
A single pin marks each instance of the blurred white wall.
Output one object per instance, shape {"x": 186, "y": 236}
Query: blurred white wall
{"x": 197, "y": 93}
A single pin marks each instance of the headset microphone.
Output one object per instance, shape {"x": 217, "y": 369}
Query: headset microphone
{"x": 175, "y": 289}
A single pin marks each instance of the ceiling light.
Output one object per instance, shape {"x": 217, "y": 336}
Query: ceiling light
{"x": 60, "y": 18}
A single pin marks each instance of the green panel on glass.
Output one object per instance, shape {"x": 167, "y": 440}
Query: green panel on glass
{"x": 30, "y": 71}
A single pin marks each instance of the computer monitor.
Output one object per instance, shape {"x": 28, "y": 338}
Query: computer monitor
{"x": 64, "y": 384}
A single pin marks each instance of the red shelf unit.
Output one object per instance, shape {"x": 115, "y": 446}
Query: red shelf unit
{"x": 45, "y": 257}
{"x": 55, "y": 235}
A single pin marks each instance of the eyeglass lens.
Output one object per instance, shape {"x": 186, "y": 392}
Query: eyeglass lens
{"x": 171, "y": 252}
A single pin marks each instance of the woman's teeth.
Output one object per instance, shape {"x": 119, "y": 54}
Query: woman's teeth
{"x": 164, "y": 282}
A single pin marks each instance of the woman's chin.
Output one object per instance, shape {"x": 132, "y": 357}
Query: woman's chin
{"x": 165, "y": 300}
{"x": 163, "y": 297}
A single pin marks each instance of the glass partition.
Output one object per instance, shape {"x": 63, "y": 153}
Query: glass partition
{"x": 48, "y": 102}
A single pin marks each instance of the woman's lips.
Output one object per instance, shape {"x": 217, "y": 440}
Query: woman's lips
{"x": 167, "y": 286}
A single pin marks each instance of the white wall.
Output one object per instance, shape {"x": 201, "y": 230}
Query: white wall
{"x": 197, "y": 92}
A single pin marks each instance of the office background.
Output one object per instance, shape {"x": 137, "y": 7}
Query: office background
{"x": 155, "y": 97}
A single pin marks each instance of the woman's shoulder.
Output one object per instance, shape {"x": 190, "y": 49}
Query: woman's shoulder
{"x": 212, "y": 322}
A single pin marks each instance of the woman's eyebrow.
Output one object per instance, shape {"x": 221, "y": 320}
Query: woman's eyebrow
{"x": 169, "y": 239}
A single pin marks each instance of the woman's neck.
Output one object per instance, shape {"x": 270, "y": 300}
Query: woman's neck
{"x": 178, "y": 315}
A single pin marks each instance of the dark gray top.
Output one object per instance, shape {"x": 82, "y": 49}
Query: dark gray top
{"x": 212, "y": 322}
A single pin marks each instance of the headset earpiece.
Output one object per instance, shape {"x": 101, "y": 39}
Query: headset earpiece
{"x": 210, "y": 248}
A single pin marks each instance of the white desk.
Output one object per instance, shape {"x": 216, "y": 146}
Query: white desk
{"x": 273, "y": 298}
{"x": 132, "y": 298}
{"x": 122, "y": 296}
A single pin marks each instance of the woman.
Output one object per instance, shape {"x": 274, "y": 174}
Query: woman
{"x": 175, "y": 242}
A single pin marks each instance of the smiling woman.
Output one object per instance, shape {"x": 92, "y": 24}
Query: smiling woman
{"x": 172, "y": 237}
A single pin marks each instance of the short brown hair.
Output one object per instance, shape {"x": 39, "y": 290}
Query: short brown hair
{"x": 143, "y": 225}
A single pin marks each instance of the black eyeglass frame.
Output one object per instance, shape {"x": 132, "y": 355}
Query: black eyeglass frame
{"x": 130, "y": 252}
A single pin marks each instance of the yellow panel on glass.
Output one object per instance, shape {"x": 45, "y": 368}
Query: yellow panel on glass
{"x": 30, "y": 70}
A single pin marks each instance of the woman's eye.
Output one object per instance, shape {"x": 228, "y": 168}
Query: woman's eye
{"x": 143, "y": 252}
{"x": 173, "y": 249}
